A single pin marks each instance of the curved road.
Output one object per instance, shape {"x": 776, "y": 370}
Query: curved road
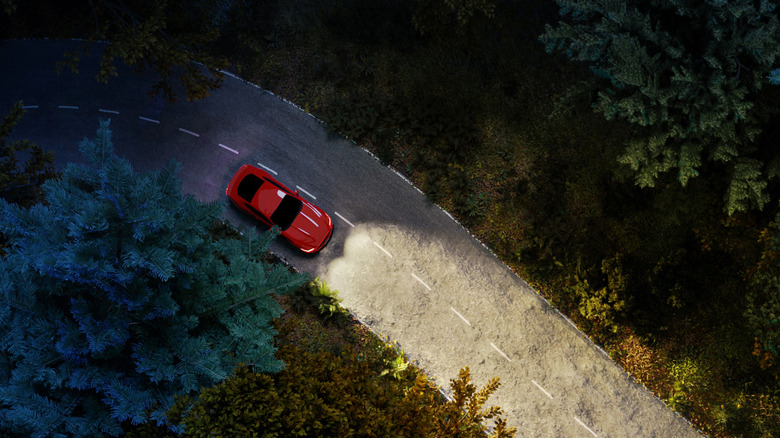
{"x": 400, "y": 263}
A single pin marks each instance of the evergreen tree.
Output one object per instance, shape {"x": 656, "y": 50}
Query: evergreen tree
{"x": 689, "y": 71}
{"x": 169, "y": 37}
{"x": 20, "y": 182}
{"x": 114, "y": 298}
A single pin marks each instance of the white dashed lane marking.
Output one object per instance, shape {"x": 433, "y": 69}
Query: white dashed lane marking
{"x": 307, "y": 193}
{"x": 460, "y": 316}
{"x": 383, "y": 250}
{"x": 101, "y": 110}
{"x": 67, "y": 107}
{"x": 421, "y": 282}
{"x": 542, "y": 389}
{"x": 230, "y": 149}
{"x": 147, "y": 119}
{"x": 268, "y": 168}
{"x": 187, "y": 131}
{"x": 500, "y": 352}
{"x": 344, "y": 219}
{"x": 586, "y": 427}
{"x": 29, "y": 106}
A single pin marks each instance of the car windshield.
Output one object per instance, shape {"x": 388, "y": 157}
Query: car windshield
{"x": 286, "y": 212}
{"x": 248, "y": 187}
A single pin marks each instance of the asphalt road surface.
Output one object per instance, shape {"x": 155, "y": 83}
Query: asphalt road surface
{"x": 400, "y": 263}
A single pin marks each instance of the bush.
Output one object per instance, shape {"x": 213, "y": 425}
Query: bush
{"x": 320, "y": 394}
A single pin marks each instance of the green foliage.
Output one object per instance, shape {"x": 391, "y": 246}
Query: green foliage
{"x": 562, "y": 200}
{"x": 20, "y": 183}
{"x": 688, "y": 378}
{"x": 747, "y": 188}
{"x": 763, "y": 309}
{"x": 440, "y": 16}
{"x": 9, "y": 6}
{"x": 606, "y": 306}
{"x": 114, "y": 298}
{"x": 690, "y": 73}
{"x": 320, "y": 394}
{"x": 319, "y": 295}
{"x": 317, "y": 394}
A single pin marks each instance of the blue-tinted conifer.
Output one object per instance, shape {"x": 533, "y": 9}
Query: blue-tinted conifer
{"x": 114, "y": 298}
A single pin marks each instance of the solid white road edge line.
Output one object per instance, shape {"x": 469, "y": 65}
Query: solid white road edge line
{"x": 194, "y": 134}
{"x": 421, "y": 282}
{"x": 147, "y": 119}
{"x": 586, "y": 427}
{"x": 268, "y": 168}
{"x": 501, "y": 352}
{"x": 542, "y": 389}
{"x": 461, "y": 316}
{"x": 344, "y": 219}
{"x": 384, "y": 250}
{"x": 101, "y": 110}
{"x": 230, "y": 149}
{"x": 307, "y": 193}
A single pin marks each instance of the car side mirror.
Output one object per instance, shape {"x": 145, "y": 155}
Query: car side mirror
{"x": 296, "y": 192}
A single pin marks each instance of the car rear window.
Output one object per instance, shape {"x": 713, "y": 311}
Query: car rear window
{"x": 248, "y": 187}
{"x": 286, "y": 212}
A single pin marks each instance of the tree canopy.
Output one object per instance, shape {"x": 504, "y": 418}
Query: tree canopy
{"x": 20, "y": 181}
{"x": 170, "y": 37}
{"x": 114, "y": 298}
{"x": 692, "y": 73}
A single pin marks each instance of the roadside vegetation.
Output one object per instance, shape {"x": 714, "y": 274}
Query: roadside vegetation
{"x": 651, "y": 221}
{"x": 672, "y": 274}
{"x": 130, "y": 309}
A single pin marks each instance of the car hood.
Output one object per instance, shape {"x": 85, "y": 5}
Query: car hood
{"x": 310, "y": 228}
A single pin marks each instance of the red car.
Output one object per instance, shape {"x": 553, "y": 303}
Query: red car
{"x": 258, "y": 193}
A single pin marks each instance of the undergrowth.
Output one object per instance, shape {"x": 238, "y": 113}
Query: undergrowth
{"x": 502, "y": 134}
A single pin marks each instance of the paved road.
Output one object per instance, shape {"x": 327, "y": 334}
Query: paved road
{"x": 401, "y": 264}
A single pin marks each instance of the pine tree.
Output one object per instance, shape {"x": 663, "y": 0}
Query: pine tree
{"x": 114, "y": 298}
{"x": 20, "y": 182}
{"x": 688, "y": 72}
